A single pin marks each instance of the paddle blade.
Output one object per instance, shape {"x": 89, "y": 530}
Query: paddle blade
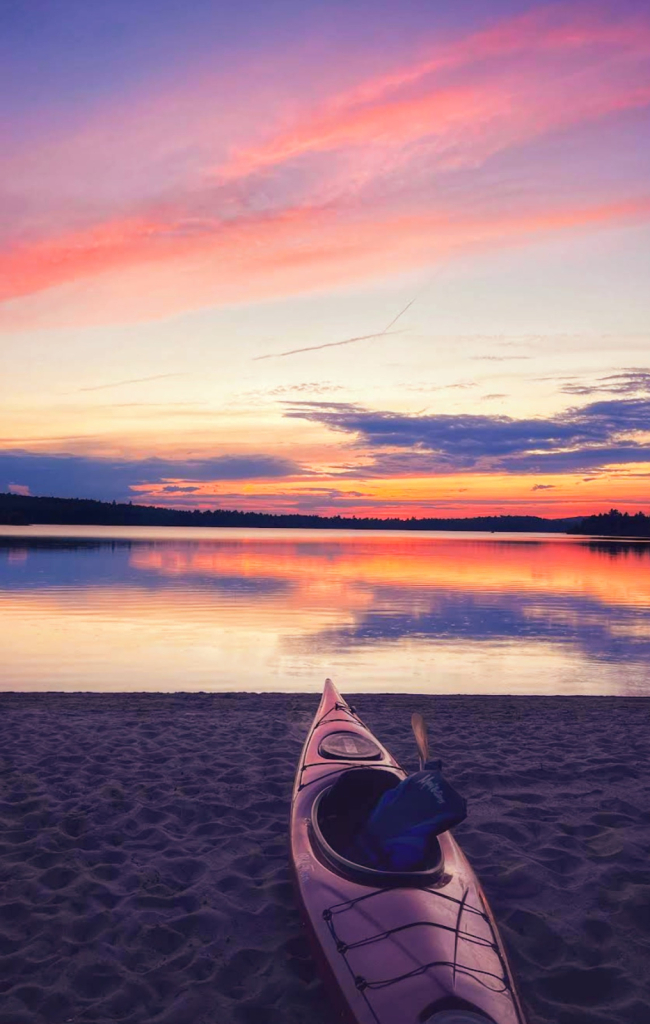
{"x": 420, "y": 732}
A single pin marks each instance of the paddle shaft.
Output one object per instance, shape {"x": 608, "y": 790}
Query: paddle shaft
{"x": 421, "y": 739}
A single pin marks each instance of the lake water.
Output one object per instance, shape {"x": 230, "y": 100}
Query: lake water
{"x": 109, "y": 608}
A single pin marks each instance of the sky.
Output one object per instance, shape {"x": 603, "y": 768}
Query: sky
{"x": 356, "y": 258}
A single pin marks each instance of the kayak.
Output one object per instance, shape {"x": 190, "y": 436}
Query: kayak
{"x": 393, "y": 947}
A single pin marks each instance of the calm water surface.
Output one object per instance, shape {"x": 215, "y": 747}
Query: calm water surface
{"x": 109, "y": 608}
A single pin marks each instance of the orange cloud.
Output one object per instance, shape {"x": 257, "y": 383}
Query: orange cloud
{"x": 326, "y": 492}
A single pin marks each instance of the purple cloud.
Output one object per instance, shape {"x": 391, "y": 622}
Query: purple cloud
{"x": 585, "y": 438}
{"x": 80, "y": 476}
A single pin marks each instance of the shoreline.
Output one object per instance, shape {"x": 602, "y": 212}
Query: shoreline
{"x": 118, "y": 696}
{"x": 9, "y": 530}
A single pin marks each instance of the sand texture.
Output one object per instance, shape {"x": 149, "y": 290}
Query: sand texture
{"x": 144, "y": 854}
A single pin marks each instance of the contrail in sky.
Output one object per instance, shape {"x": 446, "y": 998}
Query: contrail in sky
{"x": 393, "y": 322}
{"x": 335, "y": 344}
{"x": 328, "y": 344}
{"x": 136, "y": 380}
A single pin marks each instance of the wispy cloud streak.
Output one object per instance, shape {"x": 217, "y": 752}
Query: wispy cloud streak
{"x": 632, "y": 381}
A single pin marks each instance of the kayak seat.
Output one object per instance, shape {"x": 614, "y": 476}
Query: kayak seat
{"x": 340, "y": 812}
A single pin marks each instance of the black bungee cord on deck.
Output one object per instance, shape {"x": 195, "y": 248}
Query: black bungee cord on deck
{"x": 365, "y": 986}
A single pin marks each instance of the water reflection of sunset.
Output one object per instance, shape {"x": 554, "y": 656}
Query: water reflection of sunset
{"x": 343, "y": 566}
{"x": 91, "y": 608}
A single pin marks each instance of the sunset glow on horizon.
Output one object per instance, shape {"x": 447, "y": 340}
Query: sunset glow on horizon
{"x": 342, "y": 259}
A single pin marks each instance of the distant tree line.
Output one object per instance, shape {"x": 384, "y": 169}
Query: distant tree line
{"x": 17, "y": 509}
{"x": 614, "y": 524}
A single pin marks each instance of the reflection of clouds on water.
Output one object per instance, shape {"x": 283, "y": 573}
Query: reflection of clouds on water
{"x": 603, "y": 631}
{"x": 336, "y": 597}
{"x": 41, "y": 565}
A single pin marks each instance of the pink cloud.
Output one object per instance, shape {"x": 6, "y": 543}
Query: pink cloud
{"x": 150, "y": 270}
{"x": 126, "y": 218}
{"x": 417, "y": 101}
{"x": 560, "y": 29}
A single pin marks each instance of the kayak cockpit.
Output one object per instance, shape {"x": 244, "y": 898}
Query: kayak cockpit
{"x": 339, "y": 812}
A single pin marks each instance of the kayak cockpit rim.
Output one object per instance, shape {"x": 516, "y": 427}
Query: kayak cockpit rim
{"x": 349, "y": 745}
{"x": 323, "y": 829}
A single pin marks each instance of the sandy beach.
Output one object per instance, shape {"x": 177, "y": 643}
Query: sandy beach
{"x": 144, "y": 854}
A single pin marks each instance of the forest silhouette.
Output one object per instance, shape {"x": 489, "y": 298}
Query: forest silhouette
{"x": 23, "y": 510}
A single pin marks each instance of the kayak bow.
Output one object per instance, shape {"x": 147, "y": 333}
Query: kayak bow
{"x": 394, "y": 948}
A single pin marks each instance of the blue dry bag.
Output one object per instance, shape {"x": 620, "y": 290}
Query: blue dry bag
{"x": 399, "y": 828}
